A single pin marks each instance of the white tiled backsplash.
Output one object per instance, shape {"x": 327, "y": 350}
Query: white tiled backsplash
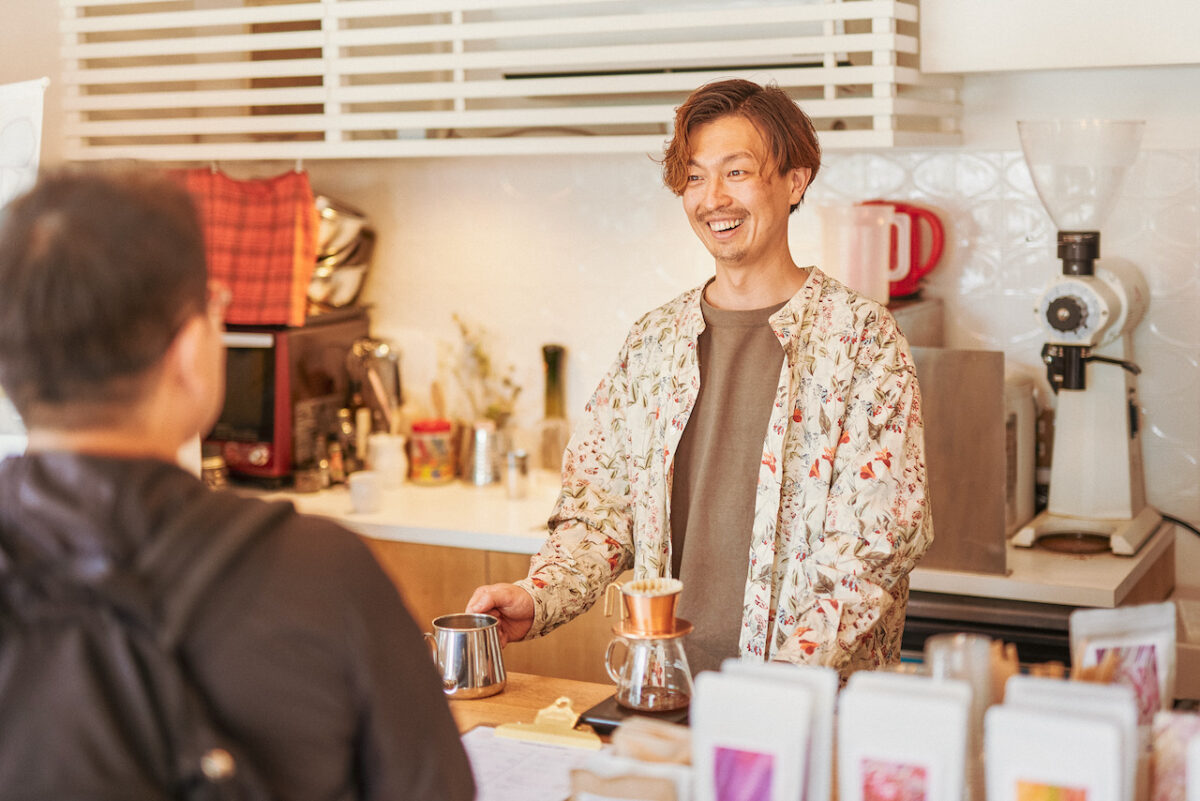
{"x": 574, "y": 249}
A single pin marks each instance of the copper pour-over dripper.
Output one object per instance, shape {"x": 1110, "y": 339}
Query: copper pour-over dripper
{"x": 653, "y": 675}
{"x": 647, "y": 608}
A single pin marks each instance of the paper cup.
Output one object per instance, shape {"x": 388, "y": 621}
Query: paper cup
{"x": 366, "y": 491}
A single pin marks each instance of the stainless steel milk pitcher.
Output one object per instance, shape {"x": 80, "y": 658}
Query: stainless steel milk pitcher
{"x": 466, "y": 650}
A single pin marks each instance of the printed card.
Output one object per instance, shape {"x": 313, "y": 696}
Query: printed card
{"x": 877, "y": 763}
{"x": 750, "y": 738}
{"x": 1143, "y": 639}
{"x": 1049, "y": 755}
{"x": 1115, "y": 702}
{"x": 822, "y": 682}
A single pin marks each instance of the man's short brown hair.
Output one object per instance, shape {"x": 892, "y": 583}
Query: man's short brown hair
{"x": 99, "y": 270}
{"x": 791, "y": 139}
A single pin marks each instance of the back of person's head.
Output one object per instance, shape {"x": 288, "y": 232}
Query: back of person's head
{"x": 98, "y": 272}
{"x": 789, "y": 134}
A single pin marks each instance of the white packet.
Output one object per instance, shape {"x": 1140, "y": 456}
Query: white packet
{"x": 1144, "y": 640}
{"x": 822, "y": 683}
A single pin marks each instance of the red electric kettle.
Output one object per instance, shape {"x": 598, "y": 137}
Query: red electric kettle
{"x": 909, "y": 285}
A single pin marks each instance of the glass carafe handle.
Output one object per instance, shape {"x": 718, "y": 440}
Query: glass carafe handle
{"x": 904, "y": 234}
{"x": 614, "y": 674}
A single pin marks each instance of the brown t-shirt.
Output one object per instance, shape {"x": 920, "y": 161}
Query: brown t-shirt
{"x": 716, "y": 472}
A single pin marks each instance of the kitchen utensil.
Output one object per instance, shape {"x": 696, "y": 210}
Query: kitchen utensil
{"x": 647, "y": 605}
{"x": 337, "y": 279}
{"x": 375, "y": 364}
{"x": 386, "y": 404}
{"x": 481, "y": 453}
{"x": 856, "y": 247}
{"x": 652, "y": 674}
{"x": 921, "y": 219}
{"x": 339, "y": 225}
{"x": 1089, "y": 313}
{"x": 466, "y": 650}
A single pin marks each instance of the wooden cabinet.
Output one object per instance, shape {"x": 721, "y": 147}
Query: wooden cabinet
{"x": 990, "y": 36}
{"x": 435, "y": 580}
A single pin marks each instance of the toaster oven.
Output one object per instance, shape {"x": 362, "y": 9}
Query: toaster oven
{"x": 283, "y": 387}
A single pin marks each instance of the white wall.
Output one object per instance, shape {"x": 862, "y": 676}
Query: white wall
{"x": 28, "y": 50}
{"x": 572, "y": 249}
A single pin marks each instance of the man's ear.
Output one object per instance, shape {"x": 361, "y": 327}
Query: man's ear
{"x": 798, "y": 179}
{"x": 183, "y": 362}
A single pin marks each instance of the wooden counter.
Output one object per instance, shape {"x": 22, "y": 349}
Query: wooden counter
{"x": 523, "y": 696}
{"x": 439, "y": 543}
{"x": 461, "y": 516}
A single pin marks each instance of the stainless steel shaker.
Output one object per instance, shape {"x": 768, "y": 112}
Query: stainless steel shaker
{"x": 516, "y": 475}
{"x": 481, "y": 454}
{"x": 466, "y": 650}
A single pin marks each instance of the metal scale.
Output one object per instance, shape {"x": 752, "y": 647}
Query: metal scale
{"x": 1097, "y": 495}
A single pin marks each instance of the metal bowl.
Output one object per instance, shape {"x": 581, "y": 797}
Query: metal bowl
{"x": 337, "y": 279}
{"x": 339, "y": 226}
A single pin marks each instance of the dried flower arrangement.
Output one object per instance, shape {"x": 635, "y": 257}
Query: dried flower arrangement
{"x": 489, "y": 391}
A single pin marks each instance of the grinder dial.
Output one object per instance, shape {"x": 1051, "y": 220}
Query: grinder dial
{"x": 1075, "y": 311}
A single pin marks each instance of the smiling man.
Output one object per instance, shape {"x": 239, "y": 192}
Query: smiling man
{"x": 758, "y": 437}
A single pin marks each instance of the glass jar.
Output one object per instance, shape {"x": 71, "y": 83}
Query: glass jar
{"x": 214, "y": 472}
{"x": 431, "y": 452}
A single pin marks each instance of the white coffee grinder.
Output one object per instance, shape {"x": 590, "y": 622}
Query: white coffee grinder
{"x": 1097, "y": 494}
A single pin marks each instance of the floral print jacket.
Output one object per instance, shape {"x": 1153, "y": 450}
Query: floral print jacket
{"x": 841, "y": 511}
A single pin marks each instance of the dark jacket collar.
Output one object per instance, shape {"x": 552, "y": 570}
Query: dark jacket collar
{"x": 59, "y": 505}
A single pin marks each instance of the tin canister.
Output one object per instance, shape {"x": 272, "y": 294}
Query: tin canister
{"x": 431, "y": 452}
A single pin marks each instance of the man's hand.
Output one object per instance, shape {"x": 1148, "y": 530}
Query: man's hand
{"x": 510, "y": 604}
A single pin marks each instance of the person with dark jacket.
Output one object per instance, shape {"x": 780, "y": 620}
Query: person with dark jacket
{"x": 110, "y": 348}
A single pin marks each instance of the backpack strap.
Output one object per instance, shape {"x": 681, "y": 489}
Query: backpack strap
{"x": 195, "y": 548}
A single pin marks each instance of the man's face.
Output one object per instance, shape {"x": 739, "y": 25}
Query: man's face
{"x": 736, "y": 201}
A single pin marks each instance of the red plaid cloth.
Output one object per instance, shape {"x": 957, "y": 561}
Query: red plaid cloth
{"x": 261, "y": 238}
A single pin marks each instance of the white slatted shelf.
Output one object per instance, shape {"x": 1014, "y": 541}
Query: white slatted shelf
{"x": 528, "y": 87}
{"x": 394, "y": 78}
{"x": 467, "y": 31}
{"x": 197, "y": 45}
{"x": 544, "y": 118}
{"x": 248, "y": 14}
